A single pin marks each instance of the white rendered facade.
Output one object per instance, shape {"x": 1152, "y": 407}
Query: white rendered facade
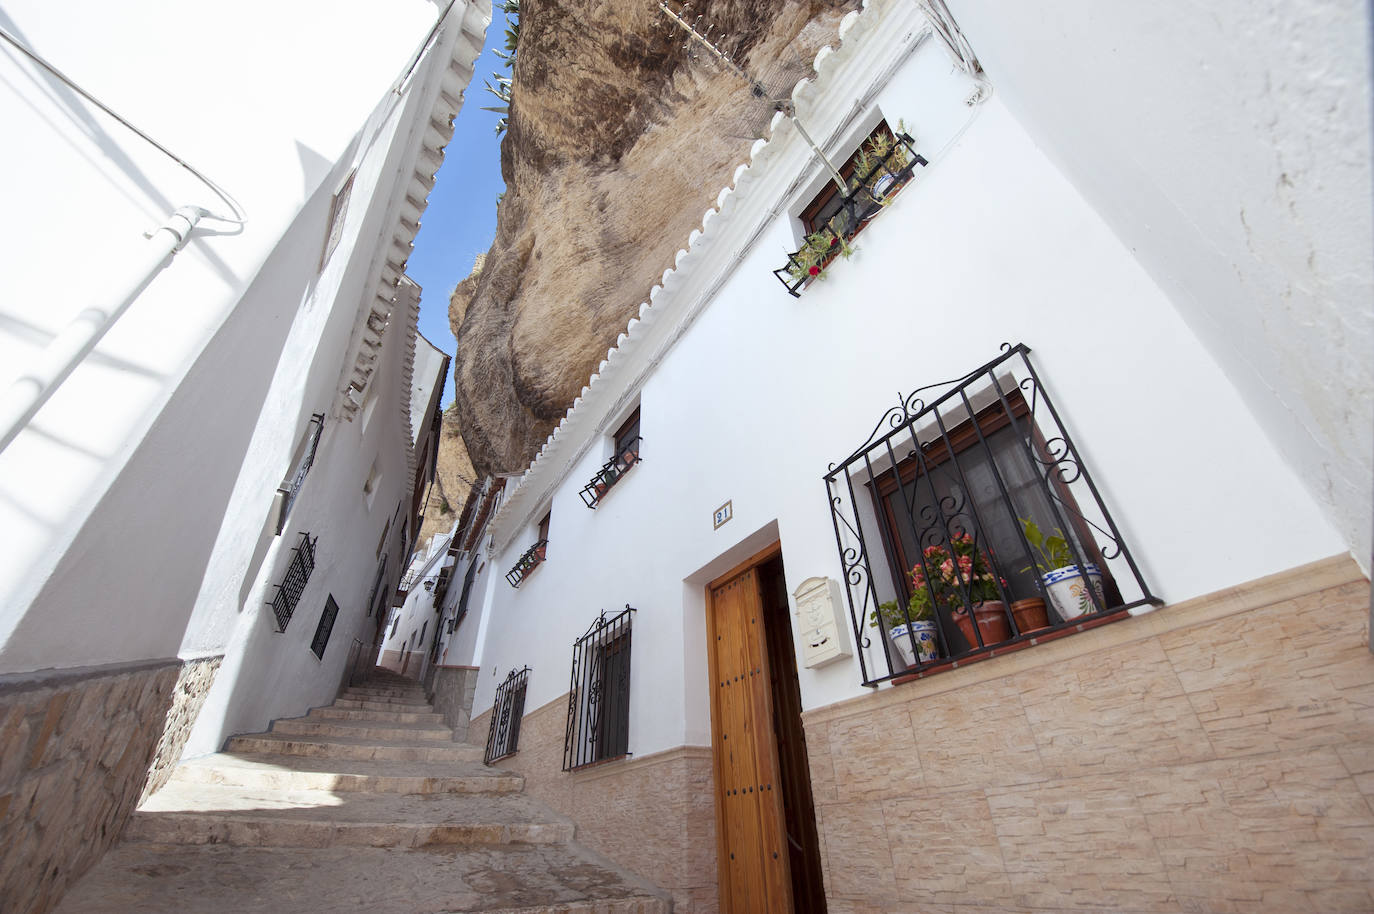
{"x": 748, "y": 395}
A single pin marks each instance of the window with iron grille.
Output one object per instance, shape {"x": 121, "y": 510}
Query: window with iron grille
{"x": 968, "y": 525}
{"x": 304, "y": 460}
{"x": 325, "y": 627}
{"x": 293, "y": 582}
{"x": 599, "y": 696}
{"x": 503, "y": 733}
{"x": 625, "y": 455}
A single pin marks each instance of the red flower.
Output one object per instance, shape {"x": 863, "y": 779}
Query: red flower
{"x": 834, "y": 241}
{"x": 814, "y": 271}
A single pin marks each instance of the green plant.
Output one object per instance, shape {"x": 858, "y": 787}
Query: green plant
{"x": 1051, "y": 552}
{"x": 917, "y": 610}
{"x": 817, "y": 250}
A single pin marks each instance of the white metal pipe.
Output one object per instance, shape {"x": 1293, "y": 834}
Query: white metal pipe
{"x": 41, "y": 378}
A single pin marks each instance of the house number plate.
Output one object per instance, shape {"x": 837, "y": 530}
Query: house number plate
{"x": 723, "y": 514}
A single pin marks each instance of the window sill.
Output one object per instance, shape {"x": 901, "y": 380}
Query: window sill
{"x": 1011, "y": 647}
{"x": 599, "y": 763}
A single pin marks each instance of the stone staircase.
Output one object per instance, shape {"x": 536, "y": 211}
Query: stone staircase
{"x": 365, "y": 805}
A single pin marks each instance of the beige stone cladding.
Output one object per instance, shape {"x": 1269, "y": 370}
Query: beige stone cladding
{"x": 188, "y": 696}
{"x": 451, "y": 691}
{"x": 652, "y": 815}
{"x": 75, "y": 750}
{"x": 1212, "y": 756}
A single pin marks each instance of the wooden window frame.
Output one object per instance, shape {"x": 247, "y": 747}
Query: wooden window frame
{"x": 625, "y": 440}
{"x": 829, "y": 191}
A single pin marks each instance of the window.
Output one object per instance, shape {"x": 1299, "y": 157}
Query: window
{"x": 293, "y": 582}
{"x": 325, "y": 627}
{"x": 338, "y": 208}
{"x": 376, "y": 587}
{"x": 969, "y": 525}
{"x": 395, "y": 624}
{"x": 599, "y": 701}
{"x": 503, "y": 733}
{"x": 301, "y": 463}
{"x": 878, "y": 169}
{"x": 625, "y": 444}
{"x": 533, "y": 557}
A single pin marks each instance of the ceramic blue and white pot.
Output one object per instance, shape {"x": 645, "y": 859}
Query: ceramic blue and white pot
{"x": 927, "y": 647}
{"x": 1069, "y": 594}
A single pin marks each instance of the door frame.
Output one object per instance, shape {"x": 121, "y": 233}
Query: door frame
{"x": 763, "y": 556}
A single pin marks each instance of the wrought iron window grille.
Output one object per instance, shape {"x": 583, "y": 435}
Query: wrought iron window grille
{"x": 532, "y": 559}
{"x": 293, "y": 582}
{"x": 937, "y": 517}
{"x": 291, "y": 488}
{"x": 871, "y": 189}
{"x": 599, "y": 694}
{"x": 503, "y": 734}
{"x": 611, "y": 472}
{"x": 324, "y": 628}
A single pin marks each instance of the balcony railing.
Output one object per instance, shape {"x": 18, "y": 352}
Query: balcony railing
{"x": 871, "y": 189}
{"x": 503, "y": 734}
{"x": 532, "y": 559}
{"x": 293, "y": 582}
{"x": 611, "y": 472}
{"x": 968, "y": 525}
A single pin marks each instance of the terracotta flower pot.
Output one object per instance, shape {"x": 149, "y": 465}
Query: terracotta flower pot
{"x": 1030, "y": 615}
{"x": 991, "y": 616}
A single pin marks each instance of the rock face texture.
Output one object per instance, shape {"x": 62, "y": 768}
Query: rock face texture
{"x": 619, "y": 140}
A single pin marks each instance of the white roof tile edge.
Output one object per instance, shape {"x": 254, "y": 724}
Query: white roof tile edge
{"x": 374, "y": 315}
{"x": 890, "y": 27}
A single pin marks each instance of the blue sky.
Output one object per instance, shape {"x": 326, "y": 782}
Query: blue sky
{"x": 461, "y": 217}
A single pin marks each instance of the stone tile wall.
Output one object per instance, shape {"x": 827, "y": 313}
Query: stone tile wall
{"x": 188, "y": 696}
{"x": 1214, "y": 756}
{"x": 451, "y": 690}
{"x": 652, "y": 815}
{"x": 75, "y": 752}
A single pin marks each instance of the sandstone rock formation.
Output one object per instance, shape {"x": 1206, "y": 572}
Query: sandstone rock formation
{"x": 619, "y": 141}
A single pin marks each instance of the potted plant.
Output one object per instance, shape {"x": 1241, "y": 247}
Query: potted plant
{"x": 921, "y": 628}
{"x": 1063, "y": 577}
{"x": 965, "y": 578}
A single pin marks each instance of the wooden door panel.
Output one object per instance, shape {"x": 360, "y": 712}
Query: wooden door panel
{"x": 754, "y": 861}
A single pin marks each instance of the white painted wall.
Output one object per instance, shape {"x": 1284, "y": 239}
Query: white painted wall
{"x": 762, "y": 392}
{"x": 1228, "y": 146}
{"x": 122, "y": 479}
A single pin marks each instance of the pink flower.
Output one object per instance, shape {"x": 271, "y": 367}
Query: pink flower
{"x": 814, "y": 271}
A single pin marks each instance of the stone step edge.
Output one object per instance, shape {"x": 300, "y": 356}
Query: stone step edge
{"x": 300, "y": 726}
{"x": 348, "y": 782}
{"x": 197, "y": 828}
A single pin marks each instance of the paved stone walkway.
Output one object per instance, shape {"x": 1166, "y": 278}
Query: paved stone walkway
{"x": 366, "y": 805}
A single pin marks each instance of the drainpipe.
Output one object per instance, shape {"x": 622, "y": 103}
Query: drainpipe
{"x": 40, "y": 380}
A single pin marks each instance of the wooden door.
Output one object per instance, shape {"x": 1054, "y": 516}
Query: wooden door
{"x": 753, "y": 859}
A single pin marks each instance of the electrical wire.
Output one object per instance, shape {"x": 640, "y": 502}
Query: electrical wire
{"x": 240, "y": 216}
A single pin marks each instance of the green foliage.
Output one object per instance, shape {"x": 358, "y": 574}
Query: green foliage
{"x": 919, "y": 609}
{"x": 817, "y": 250}
{"x": 1052, "y": 551}
{"x": 503, "y": 83}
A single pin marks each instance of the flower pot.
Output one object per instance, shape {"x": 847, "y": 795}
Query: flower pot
{"x": 1069, "y": 595}
{"x": 927, "y": 646}
{"x": 1030, "y": 615}
{"x": 991, "y": 616}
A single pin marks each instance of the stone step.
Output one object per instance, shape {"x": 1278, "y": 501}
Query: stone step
{"x": 313, "y": 746}
{"x": 362, "y": 729}
{"x": 381, "y": 704}
{"x": 184, "y": 813}
{"x": 394, "y": 717}
{"x": 416, "y": 694}
{"x": 212, "y": 879}
{"x": 292, "y": 772}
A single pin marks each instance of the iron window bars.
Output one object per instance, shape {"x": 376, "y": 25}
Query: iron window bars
{"x": 325, "y": 627}
{"x": 931, "y": 510}
{"x": 503, "y": 734}
{"x": 532, "y": 559}
{"x": 870, "y": 189}
{"x": 611, "y": 472}
{"x": 290, "y": 488}
{"x": 293, "y": 582}
{"x": 599, "y": 693}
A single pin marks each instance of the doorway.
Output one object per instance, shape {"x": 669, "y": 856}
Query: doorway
{"x": 768, "y": 852}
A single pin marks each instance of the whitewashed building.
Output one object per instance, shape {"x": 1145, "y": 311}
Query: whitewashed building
{"x": 1044, "y": 316}
{"x": 216, "y": 436}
